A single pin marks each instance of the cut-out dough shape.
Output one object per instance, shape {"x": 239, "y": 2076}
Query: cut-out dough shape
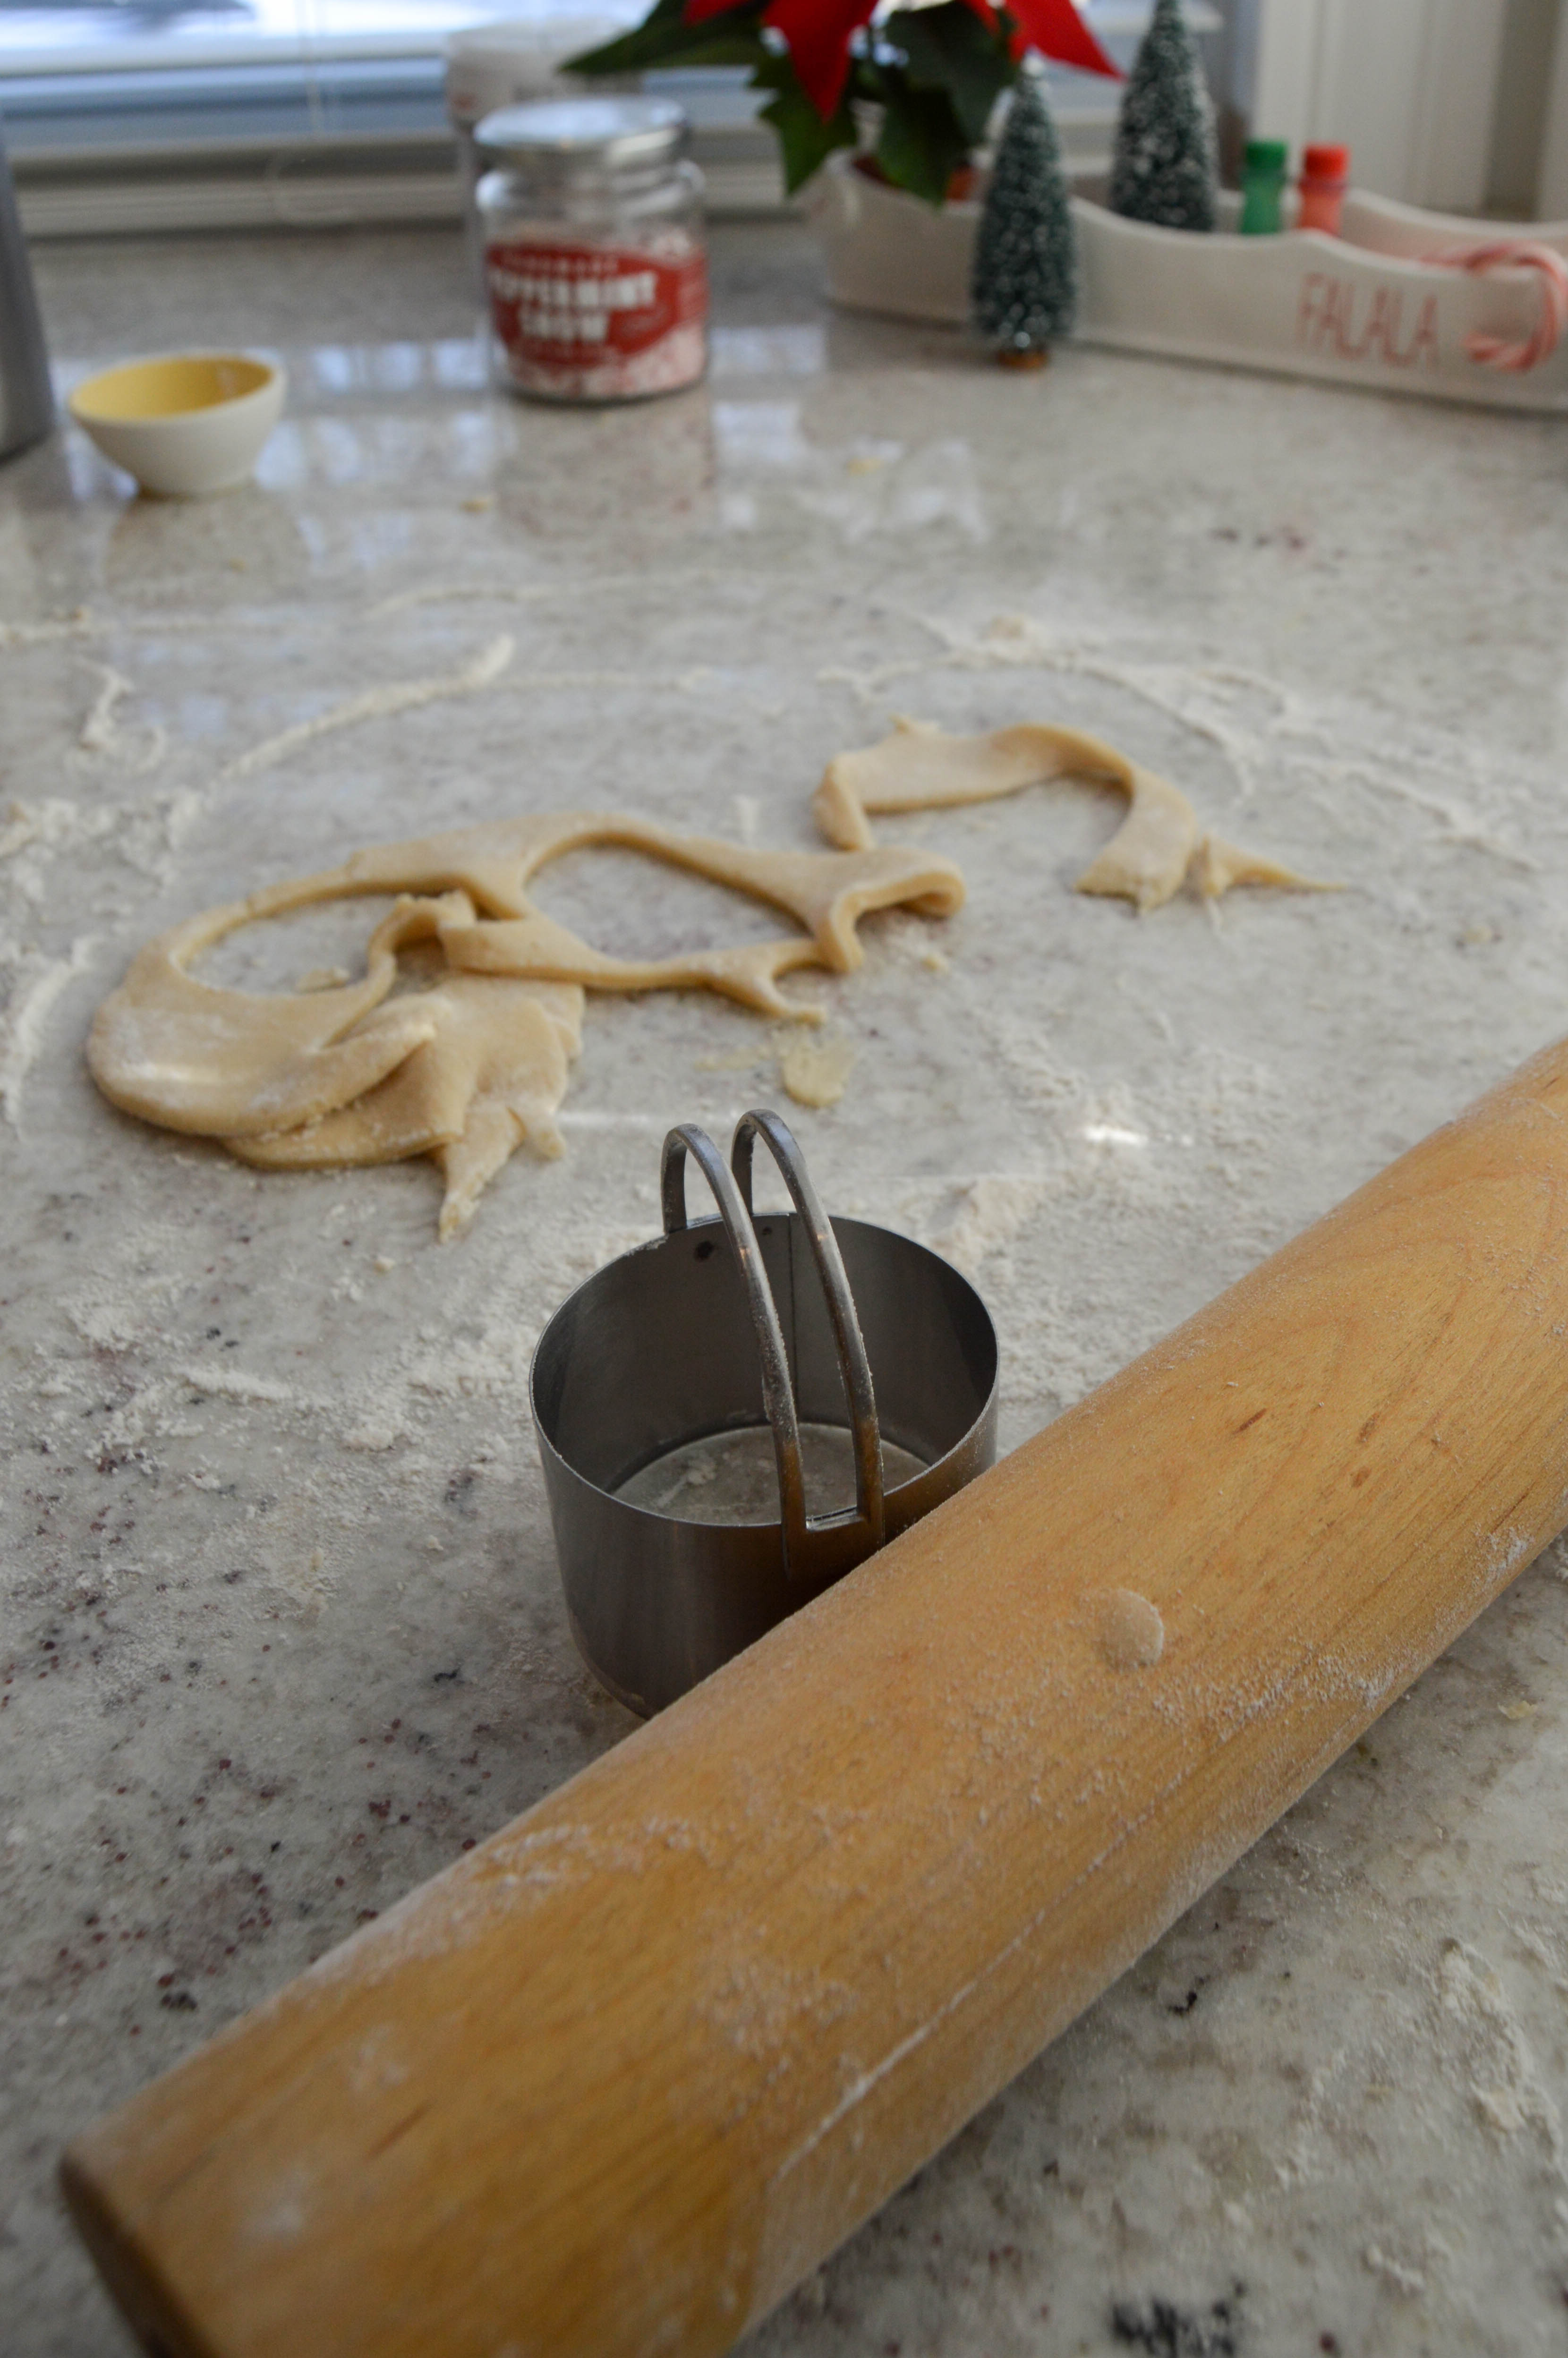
{"x": 489, "y": 1079}
{"x": 238, "y": 1062}
{"x": 477, "y": 1063}
{"x": 1158, "y": 845}
{"x": 470, "y": 1067}
{"x": 827, "y": 892}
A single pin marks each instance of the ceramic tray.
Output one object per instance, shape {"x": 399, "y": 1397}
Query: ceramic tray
{"x": 1371, "y": 307}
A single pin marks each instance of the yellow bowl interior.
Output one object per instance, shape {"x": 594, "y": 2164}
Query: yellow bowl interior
{"x": 169, "y": 388}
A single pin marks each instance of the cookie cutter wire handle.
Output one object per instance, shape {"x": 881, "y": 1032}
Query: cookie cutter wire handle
{"x": 853, "y": 1365}
{"x": 778, "y": 1392}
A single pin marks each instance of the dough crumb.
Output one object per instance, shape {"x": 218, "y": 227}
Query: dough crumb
{"x": 1408, "y": 2281}
{"x": 1132, "y": 1633}
{"x": 743, "y": 1060}
{"x": 815, "y": 1071}
{"x": 1517, "y": 1710}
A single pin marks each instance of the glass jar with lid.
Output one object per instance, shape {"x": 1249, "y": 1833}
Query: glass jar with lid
{"x": 590, "y": 220}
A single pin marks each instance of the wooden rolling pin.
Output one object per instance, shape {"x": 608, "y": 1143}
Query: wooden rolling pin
{"x": 618, "y": 2079}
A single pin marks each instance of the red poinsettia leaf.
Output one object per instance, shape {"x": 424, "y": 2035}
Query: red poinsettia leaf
{"x": 1055, "y": 29}
{"x": 698, "y": 12}
{"x": 817, "y": 33}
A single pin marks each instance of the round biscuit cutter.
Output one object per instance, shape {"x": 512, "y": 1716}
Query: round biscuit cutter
{"x": 736, "y": 1324}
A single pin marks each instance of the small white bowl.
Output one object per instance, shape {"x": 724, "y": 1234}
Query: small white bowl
{"x": 184, "y": 425}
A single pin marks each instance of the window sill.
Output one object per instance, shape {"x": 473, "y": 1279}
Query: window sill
{"x": 355, "y": 132}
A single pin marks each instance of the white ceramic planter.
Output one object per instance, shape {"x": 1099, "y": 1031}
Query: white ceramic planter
{"x": 1368, "y": 307}
{"x": 887, "y": 252}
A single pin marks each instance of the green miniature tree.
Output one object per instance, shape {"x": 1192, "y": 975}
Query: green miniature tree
{"x": 1167, "y": 167}
{"x": 1025, "y": 290}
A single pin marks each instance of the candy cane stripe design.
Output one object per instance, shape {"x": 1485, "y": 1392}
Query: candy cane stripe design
{"x": 1517, "y": 254}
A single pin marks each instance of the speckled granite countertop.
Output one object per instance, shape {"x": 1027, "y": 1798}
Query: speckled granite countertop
{"x": 281, "y": 1628}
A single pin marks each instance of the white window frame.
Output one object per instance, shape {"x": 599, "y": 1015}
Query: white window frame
{"x": 1411, "y": 85}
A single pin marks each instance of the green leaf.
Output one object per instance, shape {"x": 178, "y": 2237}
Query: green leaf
{"x": 664, "y": 39}
{"x": 743, "y": 45}
{"x": 805, "y": 142}
{"x": 947, "y": 48}
{"x": 923, "y": 143}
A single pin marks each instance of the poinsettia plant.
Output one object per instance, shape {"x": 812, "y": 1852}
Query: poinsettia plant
{"x": 933, "y": 70}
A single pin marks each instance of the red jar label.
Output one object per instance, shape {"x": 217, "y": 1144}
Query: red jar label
{"x": 595, "y": 322}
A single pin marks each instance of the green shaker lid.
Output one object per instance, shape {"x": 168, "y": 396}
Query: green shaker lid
{"x": 1267, "y": 155}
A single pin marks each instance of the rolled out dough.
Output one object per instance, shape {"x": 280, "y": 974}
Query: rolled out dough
{"x": 477, "y": 1063}
{"x": 1159, "y": 844}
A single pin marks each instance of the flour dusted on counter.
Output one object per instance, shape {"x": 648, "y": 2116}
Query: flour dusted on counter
{"x": 35, "y": 982}
{"x": 375, "y": 704}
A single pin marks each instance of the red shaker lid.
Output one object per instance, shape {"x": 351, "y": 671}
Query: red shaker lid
{"x": 1327, "y": 163}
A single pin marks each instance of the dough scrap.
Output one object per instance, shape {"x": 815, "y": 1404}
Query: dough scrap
{"x": 490, "y": 1078}
{"x": 1157, "y": 846}
{"x": 477, "y": 1062}
{"x": 1218, "y": 865}
{"x": 827, "y": 892}
{"x": 815, "y": 1071}
{"x": 226, "y": 1064}
{"x": 1131, "y": 1630}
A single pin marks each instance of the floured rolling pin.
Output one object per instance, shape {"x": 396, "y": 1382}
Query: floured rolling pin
{"x": 616, "y": 2080}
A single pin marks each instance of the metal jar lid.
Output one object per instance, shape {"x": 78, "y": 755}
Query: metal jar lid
{"x": 568, "y": 135}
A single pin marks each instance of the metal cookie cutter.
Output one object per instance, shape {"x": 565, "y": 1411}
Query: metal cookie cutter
{"x": 681, "y": 1534}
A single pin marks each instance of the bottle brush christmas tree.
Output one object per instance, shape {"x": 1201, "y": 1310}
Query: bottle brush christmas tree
{"x": 1167, "y": 167}
{"x": 1024, "y": 291}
